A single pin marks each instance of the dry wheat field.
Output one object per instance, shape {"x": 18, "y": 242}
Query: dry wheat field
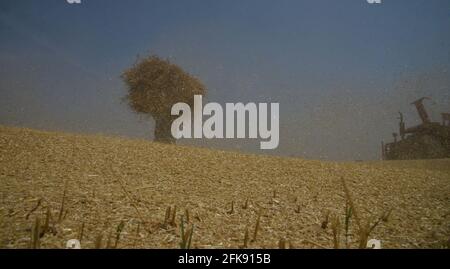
{"x": 121, "y": 193}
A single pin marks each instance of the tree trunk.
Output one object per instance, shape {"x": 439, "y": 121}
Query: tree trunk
{"x": 163, "y": 132}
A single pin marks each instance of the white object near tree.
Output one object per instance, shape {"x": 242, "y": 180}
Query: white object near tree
{"x": 374, "y": 244}
{"x": 73, "y": 244}
{"x": 234, "y": 125}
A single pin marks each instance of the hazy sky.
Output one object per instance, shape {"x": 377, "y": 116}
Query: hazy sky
{"x": 341, "y": 70}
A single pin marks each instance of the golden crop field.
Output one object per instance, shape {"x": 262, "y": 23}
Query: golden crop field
{"x": 121, "y": 193}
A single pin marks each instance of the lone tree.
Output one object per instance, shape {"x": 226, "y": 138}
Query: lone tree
{"x": 154, "y": 86}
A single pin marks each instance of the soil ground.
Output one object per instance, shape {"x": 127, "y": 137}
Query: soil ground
{"x": 109, "y": 181}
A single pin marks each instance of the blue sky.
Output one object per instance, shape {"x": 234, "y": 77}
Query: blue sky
{"x": 341, "y": 70}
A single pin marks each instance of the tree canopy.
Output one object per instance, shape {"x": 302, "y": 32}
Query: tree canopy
{"x": 154, "y": 86}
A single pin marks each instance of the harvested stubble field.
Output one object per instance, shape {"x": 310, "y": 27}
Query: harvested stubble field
{"x": 100, "y": 189}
